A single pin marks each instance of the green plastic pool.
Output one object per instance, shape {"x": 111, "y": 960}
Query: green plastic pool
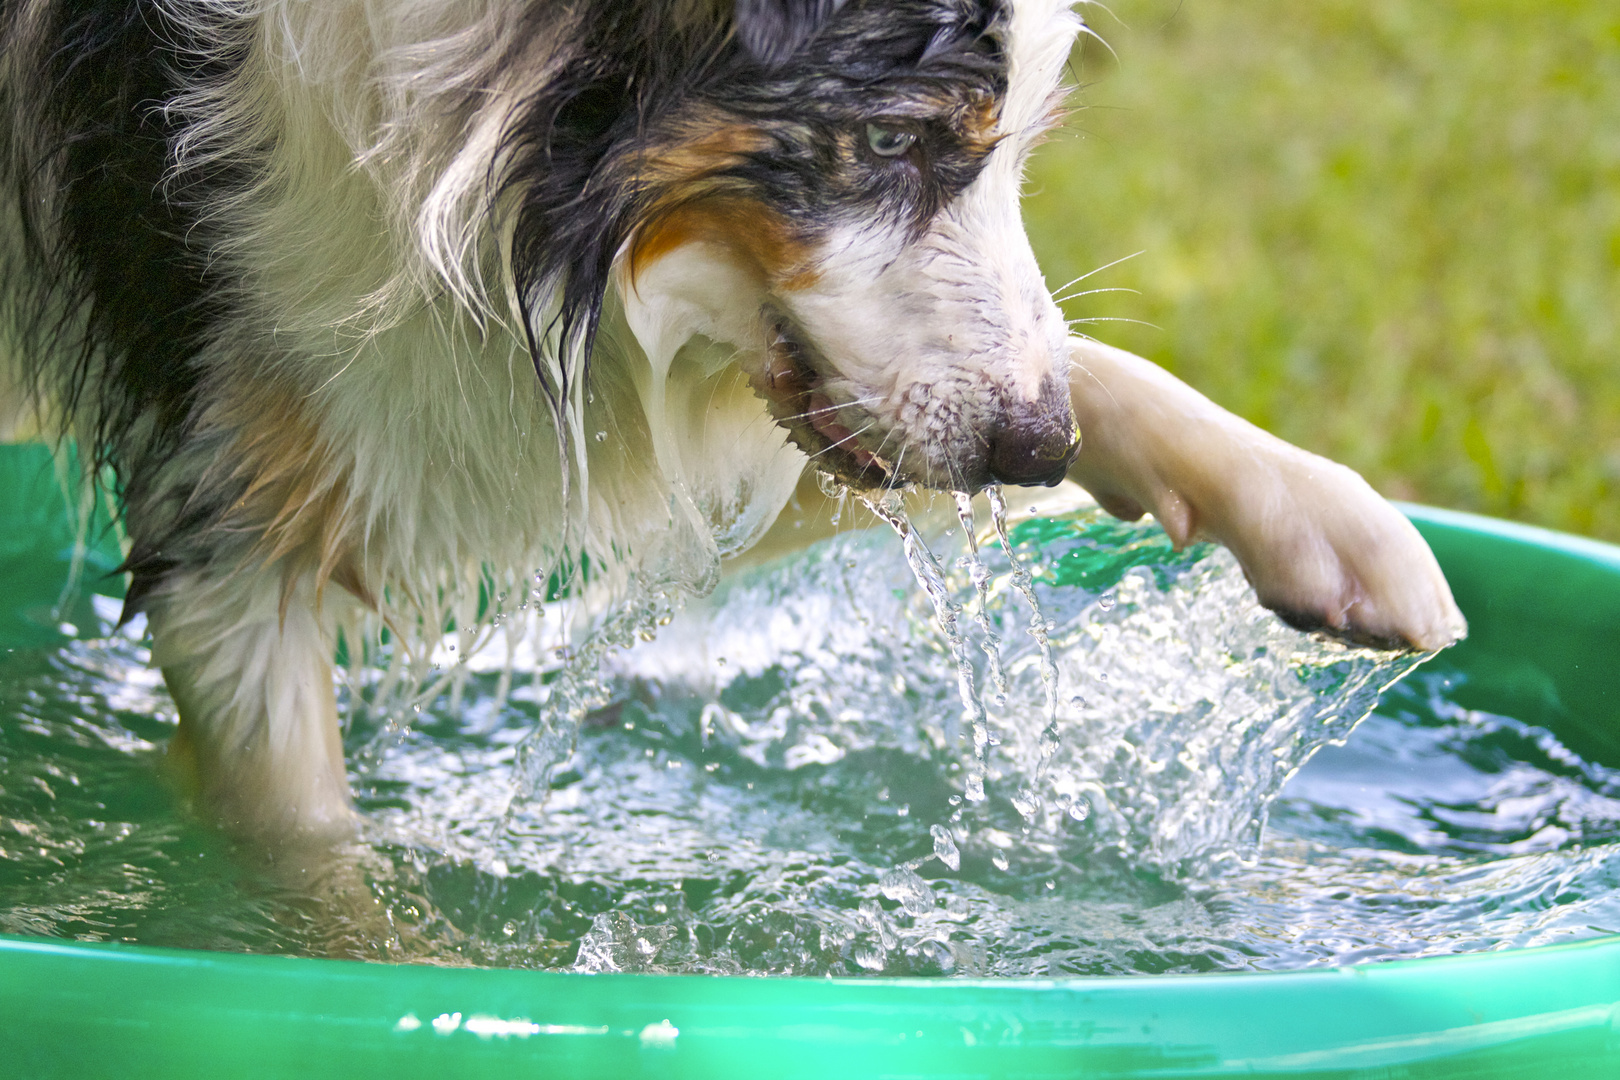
{"x": 1545, "y": 647}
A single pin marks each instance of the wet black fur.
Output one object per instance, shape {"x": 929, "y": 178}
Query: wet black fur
{"x": 116, "y": 256}
{"x": 635, "y": 73}
{"x": 115, "y": 277}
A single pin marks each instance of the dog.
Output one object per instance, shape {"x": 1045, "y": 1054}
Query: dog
{"x": 377, "y": 307}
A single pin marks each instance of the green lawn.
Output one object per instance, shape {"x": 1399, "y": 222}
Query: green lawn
{"x": 1387, "y": 230}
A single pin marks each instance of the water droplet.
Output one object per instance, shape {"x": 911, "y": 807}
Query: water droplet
{"x": 1051, "y": 884}
{"x": 509, "y": 929}
{"x": 999, "y": 861}
{"x": 955, "y": 800}
{"x": 1051, "y": 739}
{"x": 1027, "y": 803}
{"x": 904, "y": 886}
{"x": 904, "y": 811}
{"x": 1079, "y": 809}
{"x": 1107, "y": 601}
{"x": 974, "y": 788}
{"x": 601, "y": 436}
{"x": 945, "y": 849}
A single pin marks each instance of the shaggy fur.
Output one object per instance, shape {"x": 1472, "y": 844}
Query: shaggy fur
{"x": 373, "y": 307}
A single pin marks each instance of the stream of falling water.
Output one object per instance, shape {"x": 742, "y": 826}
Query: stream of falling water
{"x": 930, "y": 575}
{"x": 980, "y": 575}
{"x": 903, "y": 882}
{"x": 1028, "y": 801}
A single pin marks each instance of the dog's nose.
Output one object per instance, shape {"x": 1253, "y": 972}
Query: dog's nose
{"x": 1036, "y": 443}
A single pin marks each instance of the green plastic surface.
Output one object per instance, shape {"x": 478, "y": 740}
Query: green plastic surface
{"x": 1545, "y": 647}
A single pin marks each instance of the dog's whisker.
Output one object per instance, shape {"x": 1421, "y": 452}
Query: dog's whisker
{"x": 857, "y": 403}
{"x": 1111, "y": 318}
{"x": 1087, "y": 31}
{"x": 1100, "y": 269}
{"x": 847, "y": 438}
{"x": 1094, "y": 292}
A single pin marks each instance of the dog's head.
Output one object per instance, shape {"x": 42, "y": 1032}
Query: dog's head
{"x": 830, "y": 188}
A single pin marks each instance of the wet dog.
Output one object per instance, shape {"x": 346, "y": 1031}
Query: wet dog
{"x": 376, "y": 307}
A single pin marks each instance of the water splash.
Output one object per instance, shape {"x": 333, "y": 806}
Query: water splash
{"x": 1028, "y": 801}
{"x": 577, "y": 689}
{"x": 930, "y": 575}
{"x": 784, "y": 813}
{"x": 911, "y": 892}
{"x": 980, "y": 575}
{"x": 1039, "y": 627}
{"x": 616, "y": 942}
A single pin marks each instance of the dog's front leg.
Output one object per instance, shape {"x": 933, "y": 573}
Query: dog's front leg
{"x": 249, "y": 666}
{"x": 1321, "y": 548}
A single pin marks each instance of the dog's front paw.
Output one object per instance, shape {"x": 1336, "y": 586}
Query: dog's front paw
{"x": 1326, "y": 552}
{"x": 1320, "y": 546}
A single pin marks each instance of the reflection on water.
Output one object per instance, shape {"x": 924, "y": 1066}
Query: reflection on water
{"x": 779, "y": 784}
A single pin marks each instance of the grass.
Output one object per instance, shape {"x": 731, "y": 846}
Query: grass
{"x": 1387, "y": 230}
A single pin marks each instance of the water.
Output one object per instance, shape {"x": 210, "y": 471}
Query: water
{"x": 779, "y": 784}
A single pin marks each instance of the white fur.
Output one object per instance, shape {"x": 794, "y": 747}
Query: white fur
{"x": 255, "y": 689}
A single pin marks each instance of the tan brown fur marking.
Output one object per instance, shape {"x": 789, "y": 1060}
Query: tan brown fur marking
{"x": 753, "y": 232}
{"x": 695, "y": 205}
{"x": 296, "y": 498}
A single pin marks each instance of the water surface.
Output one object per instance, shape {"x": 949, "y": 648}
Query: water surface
{"x": 784, "y": 782}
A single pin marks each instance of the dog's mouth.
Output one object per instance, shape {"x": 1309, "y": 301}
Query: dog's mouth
{"x": 793, "y": 386}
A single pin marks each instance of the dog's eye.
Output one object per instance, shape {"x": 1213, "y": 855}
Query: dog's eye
{"x": 887, "y": 142}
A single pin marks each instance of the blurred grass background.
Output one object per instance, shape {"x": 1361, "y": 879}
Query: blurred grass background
{"x": 1386, "y": 230}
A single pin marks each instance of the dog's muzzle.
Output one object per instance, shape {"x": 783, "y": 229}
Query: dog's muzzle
{"x": 1008, "y": 439}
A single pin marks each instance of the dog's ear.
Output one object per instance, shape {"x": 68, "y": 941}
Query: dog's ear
{"x": 773, "y": 30}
